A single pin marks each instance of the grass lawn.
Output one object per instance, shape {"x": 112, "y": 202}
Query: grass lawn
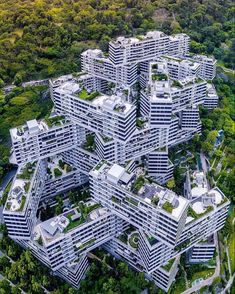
{"x": 202, "y": 275}
{"x": 231, "y": 250}
{"x": 231, "y": 241}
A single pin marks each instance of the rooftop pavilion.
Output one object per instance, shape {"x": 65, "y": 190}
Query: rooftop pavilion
{"x": 57, "y": 226}
{"x": 106, "y": 102}
{"x": 34, "y": 127}
{"x": 204, "y": 58}
{"x": 68, "y": 78}
{"x": 133, "y": 40}
{"x": 184, "y": 62}
{"x": 199, "y": 185}
{"x": 189, "y": 80}
{"x": 142, "y": 188}
{"x": 20, "y": 188}
{"x": 205, "y": 203}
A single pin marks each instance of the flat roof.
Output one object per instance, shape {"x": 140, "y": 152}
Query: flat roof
{"x": 116, "y": 171}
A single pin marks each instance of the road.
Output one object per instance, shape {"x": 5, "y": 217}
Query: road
{"x": 203, "y": 161}
{"x": 210, "y": 280}
{"x": 229, "y": 284}
{"x": 7, "y": 178}
{"x": 229, "y": 264}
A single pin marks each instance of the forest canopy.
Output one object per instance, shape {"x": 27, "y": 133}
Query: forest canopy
{"x": 44, "y": 38}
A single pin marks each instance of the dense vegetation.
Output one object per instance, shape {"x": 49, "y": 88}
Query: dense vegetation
{"x": 42, "y": 38}
{"x": 106, "y": 274}
{"x": 222, "y": 160}
{"x": 20, "y": 105}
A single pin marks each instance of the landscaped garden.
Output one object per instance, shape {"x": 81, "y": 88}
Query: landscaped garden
{"x": 88, "y": 96}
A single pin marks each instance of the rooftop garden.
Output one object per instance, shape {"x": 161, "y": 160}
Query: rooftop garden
{"x": 123, "y": 238}
{"x": 159, "y": 77}
{"x": 152, "y": 240}
{"x": 140, "y": 122}
{"x": 130, "y": 237}
{"x": 23, "y": 200}
{"x": 26, "y": 186}
{"x": 98, "y": 166}
{"x": 132, "y": 201}
{"x": 88, "y": 96}
{"x": 192, "y": 212}
{"x": 133, "y": 240}
{"x": 54, "y": 121}
{"x": 27, "y": 171}
{"x": 177, "y": 84}
{"x": 88, "y": 243}
{"x": 169, "y": 264}
{"x": 90, "y": 143}
{"x": 64, "y": 166}
{"x": 84, "y": 210}
{"x": 57, "y": 172}
{"x": 168, "y": 207}
{"x": 118, "y": 108}
{"x": 56, "y": 169}
{"x": 106, "y": 139}
{"x": 155, "y": 200}
{"x": 139, "y": 182}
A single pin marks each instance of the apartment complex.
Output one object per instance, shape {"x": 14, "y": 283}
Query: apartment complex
{"x": 112, "y": 126}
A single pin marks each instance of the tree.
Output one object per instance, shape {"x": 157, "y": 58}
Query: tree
{"x": 170, "y": 184}
{"x": 5, "y": 286}
{"x": 211, "y": 137}
{"x": 218, "y": 153}
{"x": 207, "y": 147}
{"x": 4, "y": 262}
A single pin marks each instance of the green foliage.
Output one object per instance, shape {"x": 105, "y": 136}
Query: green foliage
{"x": 167, "y": 206}
{"x": 139, "y": 183}
{"x": 45, "y": 39}
{"x": 18, "y": 106}
{"x": 159, "y": 77}
{"x": 86, "y": 96}
{"x": 90, "y": 142}
{"x": 170, "y": 184}
{"x": 57, "y": 172}
{"x": 221, "y": 119}
{"x": 117, "y": 278}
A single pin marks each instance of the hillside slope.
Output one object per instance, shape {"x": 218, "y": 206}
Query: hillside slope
{"x": 44, "y": 38}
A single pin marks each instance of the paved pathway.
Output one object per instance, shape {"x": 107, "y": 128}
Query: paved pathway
{"x": 229, "y": 284}
{"x": 229, "y": 264}
{"x": 210, "y": 280}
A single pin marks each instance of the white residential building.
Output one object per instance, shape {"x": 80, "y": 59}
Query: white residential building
{"x": 112, "y": 126}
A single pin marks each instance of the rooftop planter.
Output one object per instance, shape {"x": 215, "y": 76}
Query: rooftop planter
{"x": 90, "y": 143}
{"x": 26, "y": 172}
{"x": 169, "y": 264}
{"x": 54, "y": 121}
{"x": 133, "y": 240}
{"x": 168, "y": 207}
{"x": 177, "y": 84}
{"x": 159, "y": 77}
{"x": 194, "y": 215}
{"x": 57, "y": 172}
{"x": 23, "y": 200}
{"x": 88, "y": 96}
{"x": 85, "y": 211}
{"x": 139, "y": 182}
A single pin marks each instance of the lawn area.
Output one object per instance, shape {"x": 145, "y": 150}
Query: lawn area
{"x": 231, "y": 249}
{"x": 204, "y": 274}
{"x": 231, "y": 240}
{"x": 86, "y": 96}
